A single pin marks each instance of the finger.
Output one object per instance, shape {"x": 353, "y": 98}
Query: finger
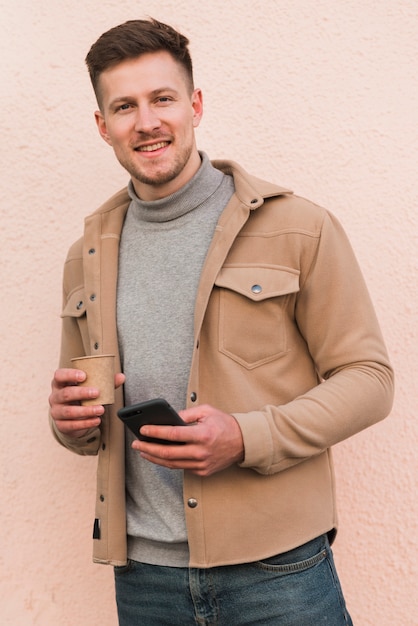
{"x": 68, "y": 376}
{"x": 195, "y": 413}
{"x": 77, "y": 412}
{"x": 165, "y": 451}
{"x": 119, "y": 380}
{"x": 169, "y": 456}
{"x": 77, "y": 427}
{"x": 170, "y": 463}
{"x": 198, "y": 467}
{"x": 72, "y": 394}
{"x": 176, "y": 434}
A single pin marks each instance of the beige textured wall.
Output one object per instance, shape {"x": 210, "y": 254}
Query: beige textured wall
{"x": 319, "y": 96}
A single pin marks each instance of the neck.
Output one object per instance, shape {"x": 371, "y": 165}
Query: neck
{"x": 191, "y": 195}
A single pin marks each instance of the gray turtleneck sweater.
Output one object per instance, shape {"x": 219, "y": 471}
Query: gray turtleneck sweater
{"x": 163, "y": 247}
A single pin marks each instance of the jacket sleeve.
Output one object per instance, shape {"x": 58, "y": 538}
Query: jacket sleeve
{"x": 86, "y": 445}
{"x": 355, "y": 387}
{"x": 74, "y": 341}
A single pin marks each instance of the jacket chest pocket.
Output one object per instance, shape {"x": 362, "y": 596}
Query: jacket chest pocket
{"x": 256, "y": 304}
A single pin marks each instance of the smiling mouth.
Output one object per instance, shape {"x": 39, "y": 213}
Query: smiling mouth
{"x": 152, "y": 147}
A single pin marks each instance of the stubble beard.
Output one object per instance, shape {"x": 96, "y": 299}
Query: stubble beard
{"x": 158, "y": 176}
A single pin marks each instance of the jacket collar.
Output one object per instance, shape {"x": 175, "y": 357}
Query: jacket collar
{"x": 250, "y": 190}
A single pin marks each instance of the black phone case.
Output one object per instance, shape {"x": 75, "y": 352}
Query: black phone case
{"x": 157, "y": 411}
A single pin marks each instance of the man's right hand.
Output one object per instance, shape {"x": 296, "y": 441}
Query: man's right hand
{"x": 70, "y": 417}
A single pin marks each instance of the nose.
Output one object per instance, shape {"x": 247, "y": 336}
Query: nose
{"x": 146, "y": 120}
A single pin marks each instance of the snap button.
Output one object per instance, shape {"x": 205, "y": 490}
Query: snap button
{"x": 93, "y": 297}
{"x": 102, "y": 498}
{"x": 79, "y": 305}
{"x": 92, "y": 251}
{"x": 192, "y": 503}
{"x": 193, "y": 396}
{"x": 96, "y": 346}
{"x": 256, "y": 289}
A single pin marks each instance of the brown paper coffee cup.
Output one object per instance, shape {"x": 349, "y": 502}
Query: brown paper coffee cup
{"x": 100, "y": 371}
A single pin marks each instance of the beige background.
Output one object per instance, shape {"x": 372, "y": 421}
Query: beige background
{"x": 319, "y": 96}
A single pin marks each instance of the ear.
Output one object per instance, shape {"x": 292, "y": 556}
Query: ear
{"x": 197, "y": 104}
{"x": 101, "y": 126}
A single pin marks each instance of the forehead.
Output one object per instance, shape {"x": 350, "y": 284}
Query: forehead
{"x": 144, "y": 74}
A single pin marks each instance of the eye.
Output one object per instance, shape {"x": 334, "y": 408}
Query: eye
{"x": 164, "y": 100}
{"x": 123, "y": 107}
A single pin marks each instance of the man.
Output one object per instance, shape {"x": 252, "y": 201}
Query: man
{"x": 232, "y": 297}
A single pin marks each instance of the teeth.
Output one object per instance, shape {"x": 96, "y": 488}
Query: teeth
{"x": 155, "y": 146}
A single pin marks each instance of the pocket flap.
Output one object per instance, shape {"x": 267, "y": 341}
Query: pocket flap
{"x": 259, "y": 282}
{"x": 76, "y": 304}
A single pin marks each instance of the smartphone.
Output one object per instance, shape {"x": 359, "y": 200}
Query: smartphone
{"x": 157, "y": 411}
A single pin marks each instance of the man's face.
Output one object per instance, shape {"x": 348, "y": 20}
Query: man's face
{"x": 148, "y": 116}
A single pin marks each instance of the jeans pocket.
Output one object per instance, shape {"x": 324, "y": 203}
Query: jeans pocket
{"x": 302, "y": 558}
{"x": 120, "y": 570}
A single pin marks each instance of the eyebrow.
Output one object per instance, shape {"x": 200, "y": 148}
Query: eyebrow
{"x": 157, "y": 92}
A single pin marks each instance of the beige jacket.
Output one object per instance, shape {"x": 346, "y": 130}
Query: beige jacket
{"x": 285, "y": 338}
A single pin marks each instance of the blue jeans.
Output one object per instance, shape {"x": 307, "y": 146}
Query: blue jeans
{"x": 297, "y": 588}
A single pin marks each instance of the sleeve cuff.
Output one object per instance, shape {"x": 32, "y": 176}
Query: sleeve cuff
{"x": 258, "y": 443}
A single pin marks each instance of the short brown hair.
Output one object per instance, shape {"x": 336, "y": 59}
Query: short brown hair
{"x": 131, "y": 40}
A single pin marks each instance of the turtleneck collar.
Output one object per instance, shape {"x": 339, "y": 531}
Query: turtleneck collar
{"x": 203, "y": 184}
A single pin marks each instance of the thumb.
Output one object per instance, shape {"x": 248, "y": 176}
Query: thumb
{"x": 119, "y": 380}
{"x": 194, "y": 414}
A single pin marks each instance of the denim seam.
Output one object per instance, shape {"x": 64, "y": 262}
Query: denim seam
{"x": 337, "y": 586}
{"x": 293, "y": 567}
